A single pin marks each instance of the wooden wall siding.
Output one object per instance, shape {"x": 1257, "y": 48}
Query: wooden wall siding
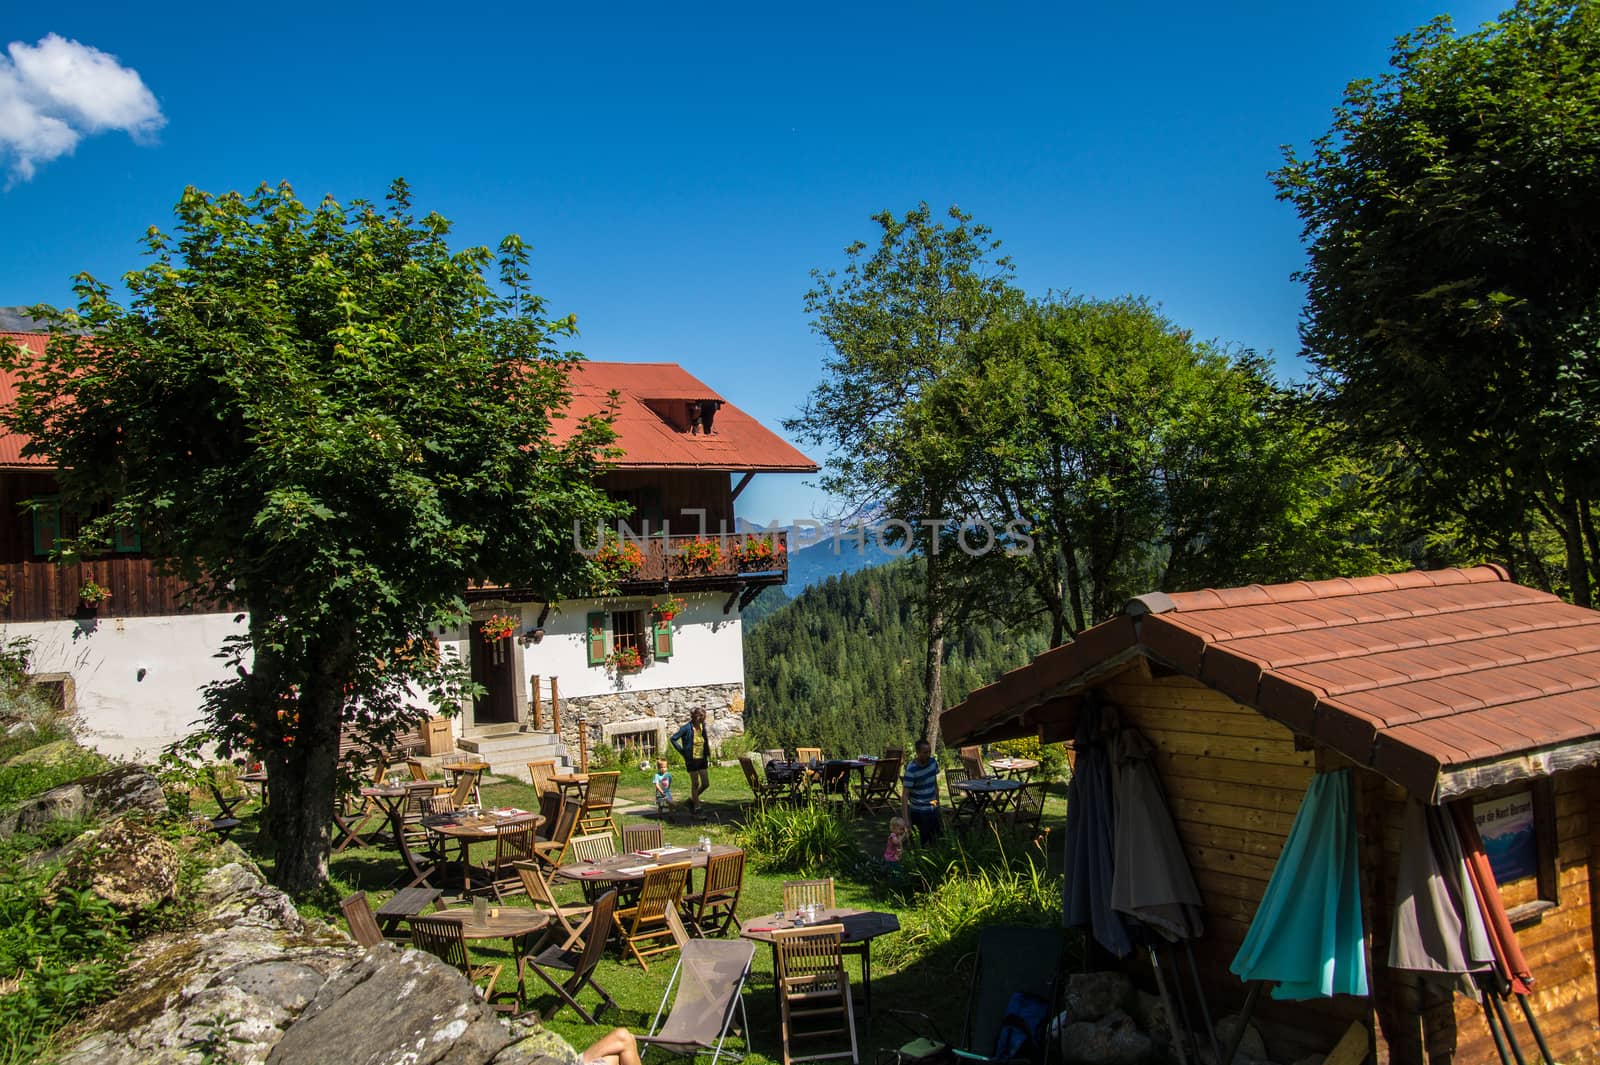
{"x": 1235, "y": 781}
{"x": 678, "y": 491}
{"x": 44, "y": 591}
{"x": 16, "y": 522}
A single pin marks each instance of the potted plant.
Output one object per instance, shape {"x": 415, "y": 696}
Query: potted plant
{"x": 619, "y": 557}
{"x": 668, "y": 608}
{"x": 761, "y": 552}
{"x": 91, "y": 593}
{"x": 625, "y": 659}
{"x": 500, "y": 626}
{"x": 701, "y": 554}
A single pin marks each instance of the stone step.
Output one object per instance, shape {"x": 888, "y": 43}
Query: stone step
{"x": 508, "y": 754}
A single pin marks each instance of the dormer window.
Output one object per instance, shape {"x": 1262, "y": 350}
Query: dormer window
{"x": 692, "y": 416}
{"x": 702, "y": 412}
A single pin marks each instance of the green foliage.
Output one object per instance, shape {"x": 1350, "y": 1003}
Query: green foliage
{"x": 967, "y": 897}
{"x": 1453, "y": 279}
{"x": 797, "y": 839}
{"x": 63, "y": 955}
{"x": 1052, "y": 757}
{"x": 22, "y": 781}
{"x": 842, "y": 666}
{"x": 327, "y": 415}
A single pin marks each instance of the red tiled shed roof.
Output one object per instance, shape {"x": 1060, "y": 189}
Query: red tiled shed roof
{"x": 11, "y": 456}
{"x": 1442, "y": 681}
{"x": 738, "y": 442}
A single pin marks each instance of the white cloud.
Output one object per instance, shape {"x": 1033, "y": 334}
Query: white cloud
{"x": 56, "y": 92}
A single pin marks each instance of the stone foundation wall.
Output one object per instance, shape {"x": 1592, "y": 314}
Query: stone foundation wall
{"x": 662, "y": 710}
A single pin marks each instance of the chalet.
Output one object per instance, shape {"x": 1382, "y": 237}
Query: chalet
{"x": 133, "y": 664}
{"x": 1444, "y": 687}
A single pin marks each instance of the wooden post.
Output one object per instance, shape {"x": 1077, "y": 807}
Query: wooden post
{"x": 555, "y": 708}
{"x": 538, "y": 710}
{"x": 583, "y": 744}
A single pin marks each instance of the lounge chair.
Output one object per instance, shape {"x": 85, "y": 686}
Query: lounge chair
{"x": 710, "y": 976}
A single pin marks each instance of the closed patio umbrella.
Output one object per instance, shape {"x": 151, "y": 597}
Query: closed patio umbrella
{"x": 1151, "y": 881}
{"x": 1091, "y": 833}
{"x": 1437, "y": 925}
{"x": 1306, "y": 934}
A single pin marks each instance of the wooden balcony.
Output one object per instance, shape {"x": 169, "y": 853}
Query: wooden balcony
{"x": 709, "y": 561}
{"x": 44, "y": 591}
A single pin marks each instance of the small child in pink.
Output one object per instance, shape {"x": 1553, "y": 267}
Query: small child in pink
{"x": 896, "y": 841}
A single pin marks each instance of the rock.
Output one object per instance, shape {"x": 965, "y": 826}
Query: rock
{"x": 394, "y": 1007}
{"x": 1250, "y": 1046}
{"x": 1112, "y": 1040}
{"x": 1151, "y": 1015}
{"x": 45, "y": 754}
{"x": 124, "y": 863}
{"x": 125, "y": 790}
{"x": 1091, "y": 996}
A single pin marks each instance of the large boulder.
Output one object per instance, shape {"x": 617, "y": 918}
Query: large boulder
{"x": 1091, "y": 996}
{"x": 45, "y": 754}
{"x": 1114, "y": 1039}
{"x": 125, "y": 790}
{"x": 125, "y": 864}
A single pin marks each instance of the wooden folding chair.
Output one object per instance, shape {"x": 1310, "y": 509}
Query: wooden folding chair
{"x": 642, "y": 837}
{"x": 972, "y": 762}
{"x": 798, "y": 893}
{"x": 813, "y": 987}
{"x": 963, "y": 808}
{"x": 645, "y": 921}
{"x": 881, "y": 794}
{"x": 540, "y": 772}
{"x": 897, "y": 753}
{"x": 466, "y": 787}
{"x": 580, "y": 963}
{"x": 553, "y": 851}
{"x": 760, "y": 787}
{"x": 592, "y": 848}
{"x": 513, "y": 843}
{"x": 806, "y": 756}
{"x": 598, "y": 799}
{"x": 441, "y": 937}
{"x": 363, "y": 924}
{"x": 544, "y": 901}
{"x": 713, "y": 908}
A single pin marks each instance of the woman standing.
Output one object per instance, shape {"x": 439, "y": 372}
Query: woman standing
{"x": 692, "y": 742}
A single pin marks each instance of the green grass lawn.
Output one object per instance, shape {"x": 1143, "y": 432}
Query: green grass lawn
{"x": 927, "y": 987}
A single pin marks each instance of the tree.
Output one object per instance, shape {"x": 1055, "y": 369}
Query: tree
{"x": 326, "y": 416}
{"x": 1136, "y": 459}
{"x": 1453, "y": 280}
{"x": 895, "y": 322}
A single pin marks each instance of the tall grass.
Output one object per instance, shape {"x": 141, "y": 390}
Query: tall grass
{"x": 797, "y": 839}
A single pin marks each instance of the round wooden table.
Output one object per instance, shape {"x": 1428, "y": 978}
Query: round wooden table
{"x": 860, "y": 926}
{"x": 575, "y": 783}
{"x": 467, "y": 829}
{"x": 1021, "y": 768}
{"x": 518, "y": 924}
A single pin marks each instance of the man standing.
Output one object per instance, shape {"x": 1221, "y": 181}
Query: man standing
{"x": 692, "y": 743}
{"x": 919, "y": 794}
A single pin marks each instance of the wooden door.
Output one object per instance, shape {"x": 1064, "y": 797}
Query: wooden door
{"x": 494, "y": 666}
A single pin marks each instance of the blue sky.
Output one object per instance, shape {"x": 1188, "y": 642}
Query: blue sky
{"x": 680, "y": 171}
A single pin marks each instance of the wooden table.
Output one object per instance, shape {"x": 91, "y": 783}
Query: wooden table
{"x": 630, "y": 868}
{"x": 860, "y": 926}
{"x": 472, "y": 765}
{"x": 519, "y": 924}
{"x": 989, "y": 793}
{"x": 467, "y": 829}
{"x": 1019, "y": 768}
{"x": 576, "y": 783}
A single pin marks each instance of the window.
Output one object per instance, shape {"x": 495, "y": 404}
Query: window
{"x": 46, "y": 524}
{"x": 1518, "y": 827}
{"x": 609, "y": 632}
{"x": 635, "y": 746}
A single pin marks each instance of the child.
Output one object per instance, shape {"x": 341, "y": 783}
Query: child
{"x": 896, "y": 841}
{"x": 663, "y": 783}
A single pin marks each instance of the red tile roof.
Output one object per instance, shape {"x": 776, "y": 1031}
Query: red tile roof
{"x": 11, "y": 456}
{"x": 1429, "y": 678}
{"x": 738, "y": 442}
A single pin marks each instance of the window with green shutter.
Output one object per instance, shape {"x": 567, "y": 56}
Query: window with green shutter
{"x": 46, "y": 524}
{"x": 662, "y": 639}
{"x": 128, "y": 542}
{"x": 596, "y": 639}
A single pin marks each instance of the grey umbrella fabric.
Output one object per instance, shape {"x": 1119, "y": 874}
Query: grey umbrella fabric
{"x": 1437, "y": 925}
{"x": 1151, "y": 881}
{"x": 1090, "y": 856}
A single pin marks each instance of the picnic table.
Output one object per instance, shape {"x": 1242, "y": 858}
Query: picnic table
{"x": 860, "y": 926}
{"x": 989, "y": 794}
{"x": 518, "y": 924}
{"x": 467, "y": 828}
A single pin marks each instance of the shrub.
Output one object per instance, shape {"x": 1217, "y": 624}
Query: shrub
{"x": 736, "y": 745}
{"x": 804, "y": 839}
{"x": 946, "y": 918}
{"x": 20, "y": 782}
{"x": 1052, "y": 757}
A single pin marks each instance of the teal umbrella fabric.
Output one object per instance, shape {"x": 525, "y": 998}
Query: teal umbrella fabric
{"x": 1306, "y": 934}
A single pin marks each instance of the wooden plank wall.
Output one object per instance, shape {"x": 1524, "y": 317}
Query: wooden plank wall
{"x": 1235, "y": 782}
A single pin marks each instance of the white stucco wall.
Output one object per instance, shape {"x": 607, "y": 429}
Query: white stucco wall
{"x": 121, "y": 713}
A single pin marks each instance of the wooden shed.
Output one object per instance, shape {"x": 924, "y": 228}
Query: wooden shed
{"x": 1437, "y": 685}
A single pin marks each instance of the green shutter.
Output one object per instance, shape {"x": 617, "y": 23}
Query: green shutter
{"x": 129, "y": 541}
{"x": 597, "y": 638}
{"x": 662, "y": 640}
{"x": 46, "y": 525}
